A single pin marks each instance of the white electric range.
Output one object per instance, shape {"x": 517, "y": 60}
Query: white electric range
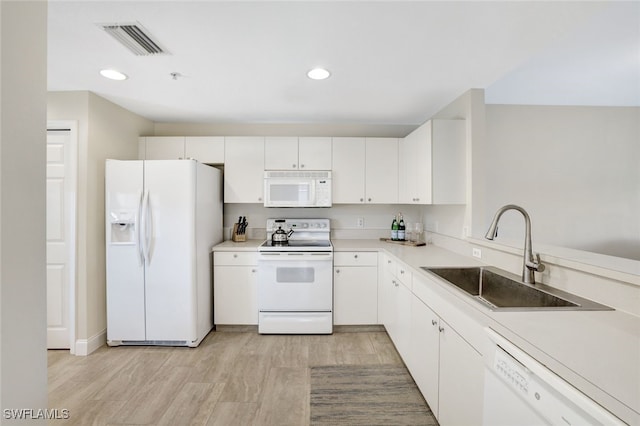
{"x": 295, "y": 278}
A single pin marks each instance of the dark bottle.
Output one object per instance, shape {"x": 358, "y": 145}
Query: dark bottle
{"x": 401, "y": 229}
{"x": 395, "y": 226}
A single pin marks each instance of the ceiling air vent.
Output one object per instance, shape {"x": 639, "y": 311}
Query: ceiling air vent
{"x": 135, "y": 38}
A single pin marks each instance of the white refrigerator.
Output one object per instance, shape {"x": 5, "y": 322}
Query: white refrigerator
{"x": 162, "y": 218}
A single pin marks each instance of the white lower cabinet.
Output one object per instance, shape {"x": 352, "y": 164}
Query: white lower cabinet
{"x": 424, "y": 358}
{"x": 395, "y": 305}
{"x": 461, "y": 383}
{"x": 235, "y": 288}
{"x": 448, "y": 371}
{"x": 355, "y": 288}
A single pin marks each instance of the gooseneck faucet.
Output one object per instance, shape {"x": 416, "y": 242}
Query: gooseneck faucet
{"x": 529, "y": 264}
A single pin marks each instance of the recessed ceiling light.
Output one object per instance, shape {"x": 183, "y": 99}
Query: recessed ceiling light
{"x": 113, "y": 75}
{"x": 318, "y": 74}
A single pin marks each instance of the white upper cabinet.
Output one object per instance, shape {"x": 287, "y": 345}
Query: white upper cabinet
{"x": 348, "y": 174}
{"x": 280, "y": 153}
{"x": 244, "y": 169}
{"x": 365, "y": 170}
{"x": 381, "y": 182}
{"x": 161, "y": 147}
{"x": 432, "y": 164}
{"x": 205, "y": 149}
{"x": 293, "y": 153}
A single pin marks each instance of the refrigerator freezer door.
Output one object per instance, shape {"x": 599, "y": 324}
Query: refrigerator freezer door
{"x": 170, "y": 268}
{"x": 125, "y": 271}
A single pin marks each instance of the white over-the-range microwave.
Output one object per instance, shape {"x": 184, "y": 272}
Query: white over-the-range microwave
{"x": 284, "y": 188}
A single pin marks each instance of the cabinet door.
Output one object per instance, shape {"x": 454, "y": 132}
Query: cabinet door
{"x": 461, "y": 380}
{"x": 386, "y": 311}
{"x": 205, "y": 149}
{"x": 415, "y": 166}
{"x": 381, "y": 170}
{"x": 355, "y": 295}
{"x": 281, "y": 153}
{"x": 164, "y": 148}
{"x": 348, "y": 159}
{"x": 243, "y": 169}
{"x": 235, "y": 295}
{"x": 403, "y": 320}
{"x": 424, "y": 352}
{"x": 314, "y": 153}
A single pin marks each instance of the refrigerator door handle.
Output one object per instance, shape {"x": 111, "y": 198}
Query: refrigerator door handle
{"x": 138, "y": 231}
{"x": 146, "y": 241}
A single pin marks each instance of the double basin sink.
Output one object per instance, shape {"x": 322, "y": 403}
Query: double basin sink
{"x": 502, "y": 291}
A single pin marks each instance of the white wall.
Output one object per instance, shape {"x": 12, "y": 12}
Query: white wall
{"x": 576, "y": 170}
{"x": 23, "y": 359}
{"x": 377, "y": 218}
{"x": 105, "y": 130}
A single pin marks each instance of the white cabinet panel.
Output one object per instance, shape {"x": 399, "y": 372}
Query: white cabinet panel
{"x": 314, "y": 153}
{"x": 205, "y": 149}
{"x": 243, "y": 169}
{"x": 235, "y": 295}
{"x": 432, "y": 164}
{"x": 293, "y": 153}
{"x": 348, "y": 258}
{"x": 348, "y": 159}
{"x": 281, "y": 153}
{"x": 461, "y": 380}
{"x": 423, "y": 361}
{"x": 355, "y": 293}
{"x": 365, "y": 170}
{"x": 163, "y": 147}
{"x": 381, "y": 170}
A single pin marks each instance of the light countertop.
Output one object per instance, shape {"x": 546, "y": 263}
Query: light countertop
{"x": 597, "y": 351}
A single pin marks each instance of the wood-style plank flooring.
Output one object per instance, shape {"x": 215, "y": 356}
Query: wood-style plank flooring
{"x": 232, "y": 378}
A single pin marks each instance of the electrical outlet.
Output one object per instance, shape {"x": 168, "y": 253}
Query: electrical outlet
{"x": 360, "y": 222}
{"x": 476, "y": 252}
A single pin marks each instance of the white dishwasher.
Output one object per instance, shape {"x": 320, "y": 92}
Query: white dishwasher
{"x": 519, "y": 391}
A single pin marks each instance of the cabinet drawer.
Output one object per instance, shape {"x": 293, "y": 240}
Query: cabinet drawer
{"x": 353, "y": 258}
{"x": 235, "y": 258}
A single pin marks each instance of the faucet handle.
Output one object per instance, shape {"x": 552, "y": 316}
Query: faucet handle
{"x": 536, "y": 265}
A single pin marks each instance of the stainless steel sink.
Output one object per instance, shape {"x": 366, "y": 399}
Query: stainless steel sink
{"x": 502, "y": 291}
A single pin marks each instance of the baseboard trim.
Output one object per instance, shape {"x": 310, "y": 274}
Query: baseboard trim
{"x": 86, "y": 346}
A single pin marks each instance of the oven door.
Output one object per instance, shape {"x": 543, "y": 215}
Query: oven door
{"x": 295, "y": 281}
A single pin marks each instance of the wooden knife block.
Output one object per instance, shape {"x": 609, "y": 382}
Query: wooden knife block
{"x": 238, "y": 238}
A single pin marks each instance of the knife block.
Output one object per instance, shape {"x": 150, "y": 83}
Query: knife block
{"x": 238, "y": 238}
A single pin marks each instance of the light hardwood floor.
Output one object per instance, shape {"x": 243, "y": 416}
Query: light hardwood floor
{"x": 232, "y": 378}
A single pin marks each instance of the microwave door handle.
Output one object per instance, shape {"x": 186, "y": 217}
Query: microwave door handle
{"x": 312, "y": 191}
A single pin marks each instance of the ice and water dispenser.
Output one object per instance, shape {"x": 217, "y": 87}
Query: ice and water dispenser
{"x": 123, "y": 227}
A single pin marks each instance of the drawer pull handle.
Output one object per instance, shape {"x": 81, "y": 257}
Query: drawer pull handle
{"x": 434, "y": 322}
{"x": 355, "y": 256}
{"x": 440, "y": 329}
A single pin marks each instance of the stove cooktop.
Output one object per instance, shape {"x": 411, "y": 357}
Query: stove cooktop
{"x": 297, "y": 245}
{"x": 307, "y": 235}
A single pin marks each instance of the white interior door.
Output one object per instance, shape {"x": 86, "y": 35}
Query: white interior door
{"x": 60, "y": 237}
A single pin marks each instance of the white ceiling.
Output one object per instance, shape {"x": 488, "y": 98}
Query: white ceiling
{"x": 392, "y": 62}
